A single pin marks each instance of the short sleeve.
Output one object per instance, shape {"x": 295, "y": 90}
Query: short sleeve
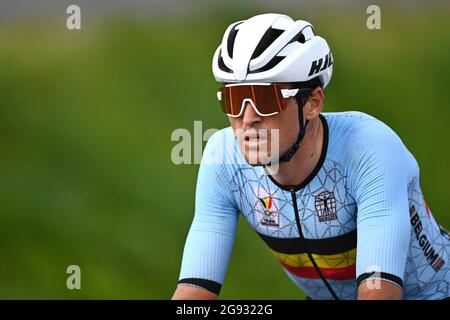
{"x": 380, "y": 169}
{"x": 211, "y": 236}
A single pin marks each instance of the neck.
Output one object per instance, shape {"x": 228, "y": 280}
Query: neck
{"x": 302, "y": 164}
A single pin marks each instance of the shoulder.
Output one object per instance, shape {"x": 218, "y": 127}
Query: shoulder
{"x": 352, "y": 126}
{"x": 218, "y": 170}
{"x": 353, "y": 133}
{"x": 221, "y": 148}
{"x": 222, "y": 157}
{"x": 217, "y": 145}
{"x": 358, "y": 141}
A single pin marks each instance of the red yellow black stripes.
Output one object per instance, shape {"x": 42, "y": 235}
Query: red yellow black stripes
{"x": 266, "y": 202}
{"x": 336, "y": 257}
{"x": 339, "y": 266}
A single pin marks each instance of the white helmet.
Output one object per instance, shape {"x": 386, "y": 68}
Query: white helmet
{"x": 272, "y": 48}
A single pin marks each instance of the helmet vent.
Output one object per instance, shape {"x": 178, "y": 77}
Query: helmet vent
{"x": 231, "y": 39}
{"x": 304, "y": 35}
{"x": 272, "y": 63}
{"x": 308, "y": 33}
{"x": 267, "y": 39}
{"x": 300, "y": 38}
{"x": 221, "y": 64}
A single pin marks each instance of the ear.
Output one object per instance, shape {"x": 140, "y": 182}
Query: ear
{"x": 314, "y": 105}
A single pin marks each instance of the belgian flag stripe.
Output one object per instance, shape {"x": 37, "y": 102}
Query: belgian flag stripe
{"x": 340, "y": 260}
{"x": 346, "y": 273}
{"x": 326, "y": 246}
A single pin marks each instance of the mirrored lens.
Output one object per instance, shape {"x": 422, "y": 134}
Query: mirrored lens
{"x": 267, "y": 99}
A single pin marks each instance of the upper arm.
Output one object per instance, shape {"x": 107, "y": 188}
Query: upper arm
{"x": 383, "y": 168}
{"x": 211, "y": 236}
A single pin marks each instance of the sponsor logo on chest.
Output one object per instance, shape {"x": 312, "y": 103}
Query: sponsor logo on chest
{"x": 325, "y": 204}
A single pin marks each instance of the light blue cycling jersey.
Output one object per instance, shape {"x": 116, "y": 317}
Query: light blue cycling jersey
{"x": 361, "y": 215}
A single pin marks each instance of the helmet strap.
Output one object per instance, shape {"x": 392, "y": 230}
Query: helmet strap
{"x": 301, "y": 101}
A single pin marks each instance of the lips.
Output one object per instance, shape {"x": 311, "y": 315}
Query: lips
{"x": 254, "y": 139}
{"x": 251, "y": 135}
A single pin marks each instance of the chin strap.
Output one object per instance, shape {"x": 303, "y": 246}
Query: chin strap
{"x": 301, "y": 100}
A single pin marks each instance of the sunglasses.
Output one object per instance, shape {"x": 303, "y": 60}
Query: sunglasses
{"x": 267, "y": 99}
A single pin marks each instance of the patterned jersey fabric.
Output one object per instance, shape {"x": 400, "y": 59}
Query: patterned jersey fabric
{"x": 361, "y": 213}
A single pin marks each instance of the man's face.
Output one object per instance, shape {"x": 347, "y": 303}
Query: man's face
{"x": 256, "y": 137}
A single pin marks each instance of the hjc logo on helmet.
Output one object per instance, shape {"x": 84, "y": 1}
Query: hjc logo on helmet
{"x": 320, "y": 65}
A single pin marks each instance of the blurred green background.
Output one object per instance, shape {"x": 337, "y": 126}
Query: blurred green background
{"x": 86, "y": 117}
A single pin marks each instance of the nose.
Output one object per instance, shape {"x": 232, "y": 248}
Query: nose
{"x": 250, "y": 117}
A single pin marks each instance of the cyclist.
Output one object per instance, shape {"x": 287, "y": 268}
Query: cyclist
{"x": 343, "y": 213}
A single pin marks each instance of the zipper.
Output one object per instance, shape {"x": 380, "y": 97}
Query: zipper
{"x": 302, "y": 238}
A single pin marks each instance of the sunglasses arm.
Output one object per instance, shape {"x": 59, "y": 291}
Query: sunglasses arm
{"x": 289, "y": 92}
